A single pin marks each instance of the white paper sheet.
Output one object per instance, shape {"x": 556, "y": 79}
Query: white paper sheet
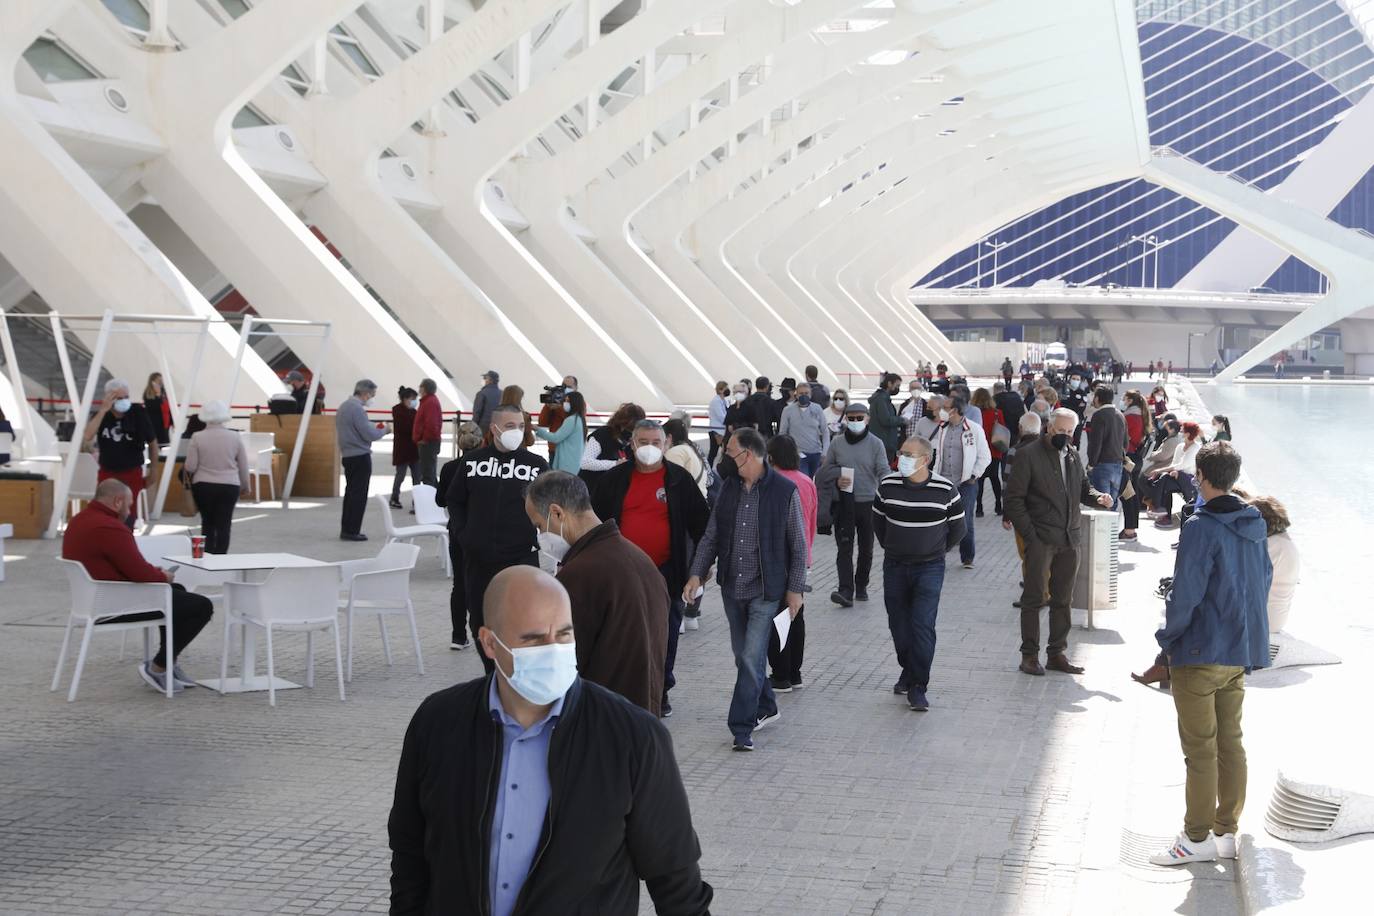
{"x": 784, "y": 624}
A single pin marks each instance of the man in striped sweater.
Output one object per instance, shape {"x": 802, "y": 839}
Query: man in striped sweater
{"x": 918, "y": 518}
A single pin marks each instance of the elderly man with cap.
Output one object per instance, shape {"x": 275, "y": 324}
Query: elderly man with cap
{"x": 534, "y": 790}
{"x": 300, "y": 391}
{"x": 862, "y": 459}
{"x": 356, "y": 433}
{"x": 488, "y": 397}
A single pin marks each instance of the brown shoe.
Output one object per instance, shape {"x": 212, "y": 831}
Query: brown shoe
{"x": 1155, "y": 674}
{"x": 1031, "y": 665}
{"x": 1061, "y": 662}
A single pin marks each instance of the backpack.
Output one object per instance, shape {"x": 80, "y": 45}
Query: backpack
{"x": 820, "y": 395}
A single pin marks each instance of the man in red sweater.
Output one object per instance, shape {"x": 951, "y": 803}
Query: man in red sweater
{"x": 428, "y": 431}
{"x": 97, "y": 538}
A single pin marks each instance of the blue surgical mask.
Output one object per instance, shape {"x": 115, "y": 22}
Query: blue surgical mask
{"x": 907, "y": 464}
{"x": 855, "y": 426}
{"x": 541, "y": 674}
{"x": 122, "y": 405}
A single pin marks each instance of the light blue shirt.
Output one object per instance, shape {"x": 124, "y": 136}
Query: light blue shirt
{"x": 716, "y": 413}
{"x": 522, "y": 798}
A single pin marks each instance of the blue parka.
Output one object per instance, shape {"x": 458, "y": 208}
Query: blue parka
{"x": 1217, "y": 611}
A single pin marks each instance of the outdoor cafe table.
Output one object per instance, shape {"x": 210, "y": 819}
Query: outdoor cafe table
{"x": 244, "y": 564}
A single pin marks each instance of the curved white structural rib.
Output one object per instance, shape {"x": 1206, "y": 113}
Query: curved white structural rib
{"x": 649, "y": 195}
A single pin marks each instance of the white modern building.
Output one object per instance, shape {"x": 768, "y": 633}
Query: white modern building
{"x": 656, "y": 194}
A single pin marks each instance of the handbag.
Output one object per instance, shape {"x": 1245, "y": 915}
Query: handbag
{"x": 1001, "y": 437}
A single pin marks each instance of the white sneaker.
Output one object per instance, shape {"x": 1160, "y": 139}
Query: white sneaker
{"x": 1226, "y": 845}
{"x": 1185, "y": 851}
{"x": 693, "y": 623}
{"x": 682, "y": 628}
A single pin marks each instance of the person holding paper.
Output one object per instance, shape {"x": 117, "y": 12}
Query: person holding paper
{"x": 757, "y": 533}
{"x": 918, "y": 517}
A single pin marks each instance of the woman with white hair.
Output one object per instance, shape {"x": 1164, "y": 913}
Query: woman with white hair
{"x": 217, "y": 463}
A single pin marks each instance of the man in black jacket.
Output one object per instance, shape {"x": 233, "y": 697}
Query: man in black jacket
{"x": 660, "y": 510}
{"x": 519, "y": 795}
{"x": 1107, "y": 440}
{"x": 763, "y": 413}
{"x": 1011, "y": 405}
{"x": 486, "y": 509}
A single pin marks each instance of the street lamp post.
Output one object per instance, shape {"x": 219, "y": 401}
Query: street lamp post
{"x": 1188, "y": 366}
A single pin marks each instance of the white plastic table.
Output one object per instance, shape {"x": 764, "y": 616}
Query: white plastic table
{"x": 243, "y": 564}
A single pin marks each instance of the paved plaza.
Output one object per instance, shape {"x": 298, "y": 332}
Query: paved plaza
{"x": 1012, "y": 795}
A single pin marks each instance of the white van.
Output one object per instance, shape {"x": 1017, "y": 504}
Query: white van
{"x": 1056, "y": 357}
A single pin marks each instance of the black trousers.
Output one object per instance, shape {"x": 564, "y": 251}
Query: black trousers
{"x": 458, "y": 594}
{"x": 676, "y": 607}
{"x": 216, "y": 502}
{"x": 786, "y": 661}
{"x": 401, "y": 470}
{"x": 853, "y": 522}
{"x": 1130, "y": 508}
{"x": 357, "y": 476}
{"x": 478, "y": 572}
{"x": 190, "y": 614}
{"x": 429, "y": 462}
{"x": 1049, "y": 569}
{"x": 994, "y": 474}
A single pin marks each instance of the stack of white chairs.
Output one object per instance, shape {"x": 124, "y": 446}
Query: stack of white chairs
{"x": 260, "y": 447}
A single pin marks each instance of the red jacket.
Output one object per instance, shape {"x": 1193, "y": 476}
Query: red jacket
{"x": 98, "y": 540}
{"x": 429, "y": 420}
{"x": 991, "y": 417}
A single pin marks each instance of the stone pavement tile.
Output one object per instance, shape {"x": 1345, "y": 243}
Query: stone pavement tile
{"x": 1009, "y": 796}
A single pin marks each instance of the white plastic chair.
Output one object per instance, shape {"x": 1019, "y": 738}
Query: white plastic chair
{"x": 260, "y": 447}
{"x": 408, "y": 533}
{"x": 6, "y": 531}
{"x": 155, "y": 548}
{"x": 94, "y": 602}
{"x": 380, "y": 586}
{"x": 297, "y": 599}
{"x": 83, "y": 482}
{"x": 427, "y": 511}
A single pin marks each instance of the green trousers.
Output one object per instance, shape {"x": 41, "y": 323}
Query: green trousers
{"x": 1208, "y": 699}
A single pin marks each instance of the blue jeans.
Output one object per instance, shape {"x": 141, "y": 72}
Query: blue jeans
{"x": 1106, "y": 478}
{"x": 810, "y": 464}
{"x": 911, "y": 592}
{"x": 750, "y": 623}
{"x": 968, "y": 495}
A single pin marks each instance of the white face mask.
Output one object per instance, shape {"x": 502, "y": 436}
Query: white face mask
{"x": 649, "y": 455}
{"x": 554, "y": 546}
{"x": 541, "y": 674}
{"x": 839, "y": 404}
{"x": 906, "y": 465}
{"x": 512, "y": 439}
{"x": 567, "y": 406}
{"x": 855, "y": 426}
{"x": 412, "y": 403}
{"x": 944, "y": 415}
{"x": 122, "y": 405}
{"x": 739, "y": 396}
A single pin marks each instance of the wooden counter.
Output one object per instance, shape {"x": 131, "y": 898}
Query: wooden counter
{"x": 27, "y": 505}
{"x": 321, "y": 466}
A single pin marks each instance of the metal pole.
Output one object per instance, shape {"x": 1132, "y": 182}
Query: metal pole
{"x": 68, "y": 376}
{"x": 1157, "y": 245}
{"x": 64, "y": 482}
{"x": 305, "y": 418}
{"x": 244, "y": 331}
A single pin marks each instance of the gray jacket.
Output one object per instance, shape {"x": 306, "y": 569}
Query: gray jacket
{"x": 486, "y": 401}
{"x": 355, "y": 431}
{"x": 868, "y": 458}
{"x": 807, "y": 426}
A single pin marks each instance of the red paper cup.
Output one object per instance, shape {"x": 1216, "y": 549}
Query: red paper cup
{"x": 197, "y": 546}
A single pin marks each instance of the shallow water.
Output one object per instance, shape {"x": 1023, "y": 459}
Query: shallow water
{"x": 1312, "y": 447}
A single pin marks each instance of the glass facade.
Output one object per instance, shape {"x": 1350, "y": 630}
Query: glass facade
{"x": 1246, "y": 87}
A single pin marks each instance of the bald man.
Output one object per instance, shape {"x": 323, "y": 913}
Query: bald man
{"x": 575, "y": 791}
{"x": 98, "y": 539}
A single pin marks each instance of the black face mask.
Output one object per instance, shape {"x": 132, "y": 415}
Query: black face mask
{"x": 727, "y": 468}
{"x": 1059, "y": 440}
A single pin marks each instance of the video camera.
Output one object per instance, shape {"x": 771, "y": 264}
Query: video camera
{"x": 553, "y": 394}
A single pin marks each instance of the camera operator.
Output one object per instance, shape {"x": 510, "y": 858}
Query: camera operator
{"x": 552, "y": 414}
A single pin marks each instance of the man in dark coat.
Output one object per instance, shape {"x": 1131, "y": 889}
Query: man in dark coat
{"x": 660, "y": 510}
{"x": 619, "y": 602}
{"x": 883, "y": 421}
{"x": 1048, "y": 486}
{"x": 547, "y": 794}
{"x": 763, "y": 413}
